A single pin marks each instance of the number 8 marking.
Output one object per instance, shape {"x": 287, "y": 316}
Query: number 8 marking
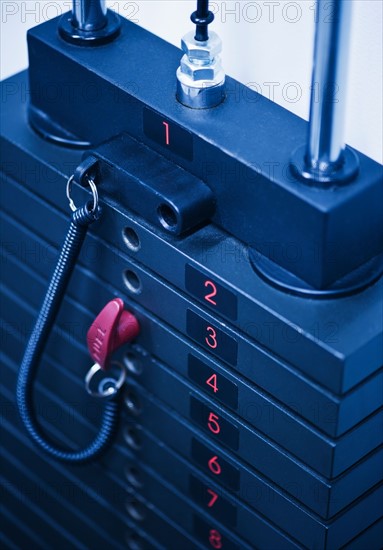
{"x": 215, "y": 539}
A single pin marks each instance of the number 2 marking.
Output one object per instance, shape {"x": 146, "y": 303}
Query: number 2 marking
{"x": 209, "y": 297}
{"x": 211, "y": 340}
{"x": 167, "y": 136}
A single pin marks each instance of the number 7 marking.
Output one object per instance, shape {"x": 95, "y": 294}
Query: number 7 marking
{"x": 167, "y": 137}
{"x": 214, "y": 497}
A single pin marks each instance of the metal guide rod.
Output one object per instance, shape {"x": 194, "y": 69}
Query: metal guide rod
{"x": 325, "y": 144}
{"x": 89, "y": 15}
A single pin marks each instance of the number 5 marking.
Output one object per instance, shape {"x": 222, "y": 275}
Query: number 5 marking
{"x": 167, "y": 133}
{"x": 212, "y": 423}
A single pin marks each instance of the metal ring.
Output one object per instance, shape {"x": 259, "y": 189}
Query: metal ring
{"x": 93, "y": 188}
{"x": 112, "y": 389}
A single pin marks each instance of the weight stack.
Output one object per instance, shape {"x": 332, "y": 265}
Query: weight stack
{"x": 252, "y": 412}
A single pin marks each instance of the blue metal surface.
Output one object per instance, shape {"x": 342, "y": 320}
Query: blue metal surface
{"x": 304, "y": 469}
{"x": 225, "y": 157}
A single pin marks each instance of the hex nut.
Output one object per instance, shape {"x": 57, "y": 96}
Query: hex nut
{"x": 201, "y": 52}
{"x": 200, "y": 72}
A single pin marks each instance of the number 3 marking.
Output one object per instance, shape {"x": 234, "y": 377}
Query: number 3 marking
{"x": 209, "y": 297}
{"x": 211, "y": 340}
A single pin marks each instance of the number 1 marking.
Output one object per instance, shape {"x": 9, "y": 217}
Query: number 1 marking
{"x": 167, "y": 137}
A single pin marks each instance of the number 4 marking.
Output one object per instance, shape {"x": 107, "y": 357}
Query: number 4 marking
{"x": 214, "y": 497}
{"x": 167, "y": 133}
{"x": 212, "y": 382}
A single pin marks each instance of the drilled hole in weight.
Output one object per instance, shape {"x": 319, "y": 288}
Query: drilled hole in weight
{"x": 136, "y": 510}
{"x": 132, "y": 438}
{"x": 132, "y": 281}
{"x": 134, "y": 541}
{"x": 167, "y": 216}
{"x": 132, "y": 403}
{"x": 131, "y": 239}
{"x": 132, "y": 363}
{"x": 133, "y": 476}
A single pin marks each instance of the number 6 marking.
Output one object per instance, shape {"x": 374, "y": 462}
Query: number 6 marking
{"x": 211, "y": 340}
{"x": 214, "y": 466}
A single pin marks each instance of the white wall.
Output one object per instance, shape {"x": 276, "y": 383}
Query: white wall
{"x": 266, "y": 43}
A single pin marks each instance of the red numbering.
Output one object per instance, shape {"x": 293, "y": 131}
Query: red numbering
{"x": 214, "y": 497}
{"x": 167, "y": 133}
{"x": 212, "y": 423}
{"x": 211, "y": 339}
{"x": 214, "y": 466}
{"x": 212, "y": 382}
{"x": 213, "y": 288}
{"x": 215, "y": 538}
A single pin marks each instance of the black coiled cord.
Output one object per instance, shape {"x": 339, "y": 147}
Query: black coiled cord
{"x": 81, "y": 219}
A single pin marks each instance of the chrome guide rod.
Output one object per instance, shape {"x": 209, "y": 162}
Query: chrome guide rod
{"x": 89, "y": 15}
{"x": 325, "y": 145}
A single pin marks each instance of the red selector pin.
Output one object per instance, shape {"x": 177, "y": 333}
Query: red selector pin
{"x": 113, "y": 327}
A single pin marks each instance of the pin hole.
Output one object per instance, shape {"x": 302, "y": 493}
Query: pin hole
{"x": 134, "y": 541}
{"x": 132, "y": 363}
{"x": 131, "y": 239}
{"x": 133, "y": 403}
{"x": 132, "y": 281}
{"x": 133, "y": 476}
{"x": 132, "y": 438}
{"x": 168, "y": 217}
{"x": 136, "y": 510}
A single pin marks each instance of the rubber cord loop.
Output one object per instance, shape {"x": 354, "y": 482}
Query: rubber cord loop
{"x": 82, "y": 218}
